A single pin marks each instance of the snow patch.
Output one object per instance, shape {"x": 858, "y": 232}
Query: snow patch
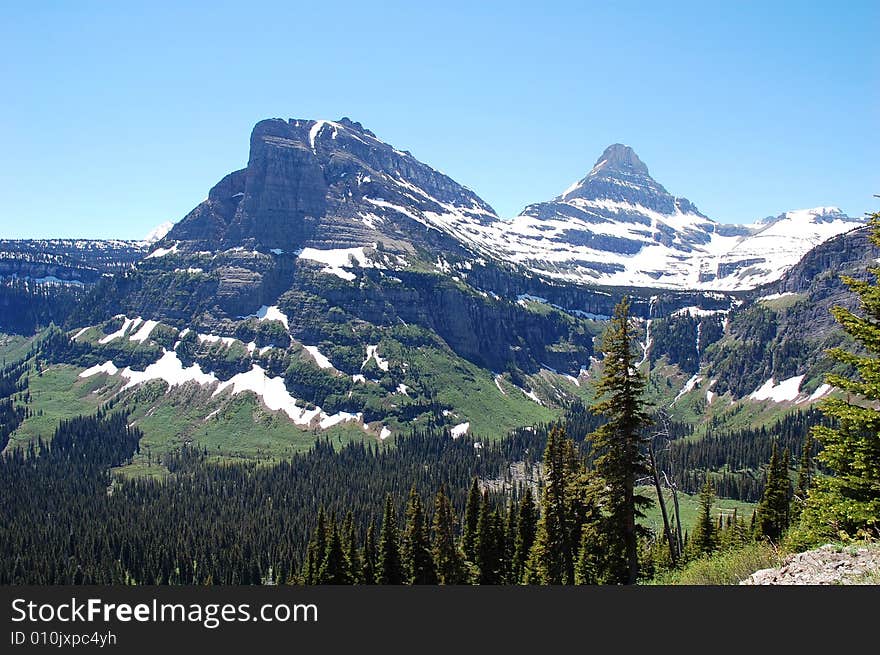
{"x": 267, "y": 313}
{"x": 688, "y": 387}
{"x": 107, "y": 367}
{"x": 373, "y": 353}
{"x": 460, "y": 430}
{"x": 320, "y": 359}
{"x": 272, "y": 392}
{"x": 127, "y": 323}
{"x": 144, "y": 332}
{"x": 161, "y": 252}
{"x": 170, "y": 369}
{"x": 787, "y": 390}
{"x": 822, "y": 391}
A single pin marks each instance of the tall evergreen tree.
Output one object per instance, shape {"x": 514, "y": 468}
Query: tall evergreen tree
{"x": 447, "y": 556}
{"x": 526, "y": 527}
{"x": 471, "y": 518}
{"x": 773, "y": 508}
{"x": 620, "y": 443}
{"x": 350, "y": 546}
{"x": 509, "y": 543}
{"x": 390, "y": 565}
{"x": 705, "y": 539}
{"x": 316, "y": 550}
{"x": 490, "y": 544}
{"x": 370, "y": 556}
{"x": 553, "y": 554}
{"x": 804, "y": 479}
{"x": 417, "y": 561}
{"x": 334, "y": 568}
{"x": 847, "y": 503}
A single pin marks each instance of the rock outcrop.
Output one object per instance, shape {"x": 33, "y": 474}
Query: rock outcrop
{"x": 828, "y": 565}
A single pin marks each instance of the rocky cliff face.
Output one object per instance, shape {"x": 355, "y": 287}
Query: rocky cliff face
{"x": 330, "y": 184}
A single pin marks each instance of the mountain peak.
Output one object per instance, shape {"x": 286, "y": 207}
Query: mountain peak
{"x": 619, "y": 157}
{"x": 619, "y": 166}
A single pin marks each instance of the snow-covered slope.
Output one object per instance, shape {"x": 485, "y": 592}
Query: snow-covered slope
{"x": 774, "y": 245}
{"x": 618, "y": 226}
{"x": 334, "y": 187}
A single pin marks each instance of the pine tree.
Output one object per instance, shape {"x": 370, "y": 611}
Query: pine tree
{"x": 349, "y": 545}
{"x": 471, "y": 518}
{"x": 489, "y": 545}
{"x": 804, "y": 479}
{"x": 334, "y": 568}
{"x": 619, "y": 444}
{"x": 447, "y": 556}
{"x": 847, "y": 503}
{"x": 554, "y": 552}
{"x": 390, "y": 566}
{"x": 509, "y": 543}
{"x": 369, "y": 556}
{"x": 526, "y": 527}
{"x": 773, "y": 508}
{"x": 417, "y": 561}
{"x": 316, "y": 550}
{"x": 705, "y": 539}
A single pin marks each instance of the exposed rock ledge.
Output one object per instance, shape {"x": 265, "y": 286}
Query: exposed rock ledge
{"x": 828, "y": 565}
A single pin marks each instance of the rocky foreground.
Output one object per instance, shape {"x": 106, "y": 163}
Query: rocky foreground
{"x": 828, "y": 565}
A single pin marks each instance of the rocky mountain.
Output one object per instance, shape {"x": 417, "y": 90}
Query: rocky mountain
{"x": 340, "y": 282}
{"x": 330, "y": 185}
{"x": 618, "y": 226}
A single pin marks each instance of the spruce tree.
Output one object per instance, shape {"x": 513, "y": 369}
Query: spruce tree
{"x": 620, "y": 444}
{"x": 847, "y": 503}
{"x": 773, "y": 508}
{"x": 509, "y": 543}
{"x": 471, "y": 518}
{"x": 390, "y": 566}
{"x": 316, "y": 550}
{"x": 489, "y": 547}
{"x": 417, "y": 561}
{"x": 554, "y": 552}
{"x": 334, "y": 568}
{"x": 526, "y": 527}
{"x": 804, "y": 478}
{"x": 370, "y": 556}
{"x": 447, "y": 556}
{"x": 350, "y": 546}
{"x": 705, "y": 539}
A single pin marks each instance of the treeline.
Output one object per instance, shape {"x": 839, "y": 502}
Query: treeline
{"x": 66, "y": 519}
{"x": 27, "y": 306}
{"x": 734, "y": 460}
{"x": 14, "y": 397}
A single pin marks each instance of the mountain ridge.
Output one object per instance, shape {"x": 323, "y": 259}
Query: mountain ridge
{"x": 335, "y": 185}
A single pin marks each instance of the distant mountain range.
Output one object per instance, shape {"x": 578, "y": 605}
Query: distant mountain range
{"x": 345, "y": 284}
{"x": 329, "y": 185}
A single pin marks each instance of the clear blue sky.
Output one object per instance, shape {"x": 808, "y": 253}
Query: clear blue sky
{"x": 116, "y": 117}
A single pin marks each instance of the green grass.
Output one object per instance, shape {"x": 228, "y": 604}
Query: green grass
{"x": 726, "y": 568}
{"x": 14, "y": 348}
{"x": 689, "y": 505}
{"x": 57, "y": 393}
{"x": 781, "y": 304}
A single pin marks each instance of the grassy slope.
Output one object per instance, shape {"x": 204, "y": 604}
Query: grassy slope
{"x": 13, "y": 347}
{"x": 690, "y": 507}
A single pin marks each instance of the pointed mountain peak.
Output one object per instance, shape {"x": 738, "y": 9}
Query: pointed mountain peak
{"x": 621, "y": 158}
{"x": 618, "y": 165}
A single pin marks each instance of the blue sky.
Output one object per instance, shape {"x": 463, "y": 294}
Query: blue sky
{"x": 117, "y": 117}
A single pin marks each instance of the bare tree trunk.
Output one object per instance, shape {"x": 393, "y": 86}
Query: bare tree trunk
{"x": 670, "y": 540}
{"x": 677, "y": 513}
